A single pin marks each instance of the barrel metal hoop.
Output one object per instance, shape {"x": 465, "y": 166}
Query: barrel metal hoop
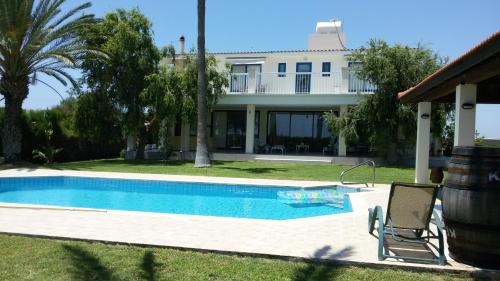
{"x": 483, "y": 188}
{"x": 478, "y": 227}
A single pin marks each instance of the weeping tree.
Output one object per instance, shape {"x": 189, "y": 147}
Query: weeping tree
{"x": 386, "y": 124}
{"x": 172, "y": 92}
{"x": 163, "y": 97}
{"x": 36, "y": 39}
{"x": 127, "y": 39}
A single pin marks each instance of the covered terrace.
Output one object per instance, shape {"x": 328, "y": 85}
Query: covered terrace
{"x": 471, "y": 79}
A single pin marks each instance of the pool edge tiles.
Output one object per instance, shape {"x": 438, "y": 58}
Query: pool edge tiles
{"x": 160, "y": 196}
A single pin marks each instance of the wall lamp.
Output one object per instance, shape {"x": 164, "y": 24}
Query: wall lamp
{"x": 468, "y": 105}
{"x": 425, "y": 116}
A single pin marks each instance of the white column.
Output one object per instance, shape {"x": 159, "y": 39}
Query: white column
{"x": 250, "y": 133}
{"x": 185, "y": 137}
{"x": 342, "y": 145}
{"x": 423, "y": 142}
{"x": 465, "y": 118}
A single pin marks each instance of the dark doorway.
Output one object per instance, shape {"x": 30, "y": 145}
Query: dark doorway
{"x": 236, "y": 130}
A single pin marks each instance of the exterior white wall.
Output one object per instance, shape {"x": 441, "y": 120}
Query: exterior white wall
{"x": 294, "y": 102}
{"x": 423, "y": 143}
{"x": 336, "y": 83}
{"x": 290, "y": 100}
{"x": 465, "y": 119}
{"x": 269, "y": 61}
{"x": 328, "y": 41}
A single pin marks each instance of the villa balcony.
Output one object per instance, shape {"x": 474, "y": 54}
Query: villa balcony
{"x": 341, "y": 82}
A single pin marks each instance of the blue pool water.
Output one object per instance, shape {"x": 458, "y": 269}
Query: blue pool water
{"x": 222, "y": 200}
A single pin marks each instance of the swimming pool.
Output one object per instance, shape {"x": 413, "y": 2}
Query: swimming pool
{"x": 189, "y": 198}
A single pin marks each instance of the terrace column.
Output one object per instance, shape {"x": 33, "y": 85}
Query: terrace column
{"x": 250, "y": 133}
{"x": 465, "y": 114}
{"x": 185, "y": 137}
{"x": 423, "y": 142}
{"x": 342, "y": 145}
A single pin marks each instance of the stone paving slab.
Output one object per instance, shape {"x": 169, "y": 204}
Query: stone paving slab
{"x": 339, "y": 237}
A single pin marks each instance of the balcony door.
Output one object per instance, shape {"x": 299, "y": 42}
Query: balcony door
{"x": 245, "y": 78}
{"x": 253, "y": 72}
{"x": 239, "y": 78}
{"x": 303, "y": 78}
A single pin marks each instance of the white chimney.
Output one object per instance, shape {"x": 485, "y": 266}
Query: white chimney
{"x": 328, "y": 36}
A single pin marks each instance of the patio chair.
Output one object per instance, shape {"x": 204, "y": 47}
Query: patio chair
{"x": 278, "y": 147}
{"x": 408, "y": 216}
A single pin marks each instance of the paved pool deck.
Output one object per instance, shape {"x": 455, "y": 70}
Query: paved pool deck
{"x": 340, "y": 237}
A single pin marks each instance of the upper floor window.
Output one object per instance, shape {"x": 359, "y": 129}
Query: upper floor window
{"x": 326, "y": 69}
{"x": 281, "y": 69}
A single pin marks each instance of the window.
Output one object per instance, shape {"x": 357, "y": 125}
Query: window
{"x": 326, "y": 69}
{"x": 281, "y": 69}
{"x": 290, "y": 128}
{"x": 178, "y": 129}
{"x": 301, "y": 125}
{"x": 257, "y": 125}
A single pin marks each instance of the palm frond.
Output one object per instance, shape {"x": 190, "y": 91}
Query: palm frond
{"x": 40, "y": 38}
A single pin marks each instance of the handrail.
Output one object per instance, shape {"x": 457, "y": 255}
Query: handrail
{"x": 367, "y": 162}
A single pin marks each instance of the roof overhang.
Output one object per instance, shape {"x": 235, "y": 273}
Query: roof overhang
{"x": 246, "y": 60}
{"x": 480, "y": 65}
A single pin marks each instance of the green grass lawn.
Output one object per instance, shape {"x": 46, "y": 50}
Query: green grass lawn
{"x": 268, "y": 170}
{"x": 25, "y": 258}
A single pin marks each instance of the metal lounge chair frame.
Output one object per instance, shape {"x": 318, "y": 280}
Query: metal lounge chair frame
{"x": 388, "y": 227}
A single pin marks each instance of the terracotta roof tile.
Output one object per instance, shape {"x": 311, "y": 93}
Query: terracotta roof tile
{"x": 281, "y": 51}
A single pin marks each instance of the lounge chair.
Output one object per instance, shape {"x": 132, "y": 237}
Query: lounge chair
{"x": 408, "y": 216}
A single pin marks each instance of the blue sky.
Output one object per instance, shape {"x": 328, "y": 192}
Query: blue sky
{"x": 449, "y": 27}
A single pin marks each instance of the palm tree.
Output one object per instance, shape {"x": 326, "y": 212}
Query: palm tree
{"x": 202, "y": 158}
{"x": 35, "y": 39}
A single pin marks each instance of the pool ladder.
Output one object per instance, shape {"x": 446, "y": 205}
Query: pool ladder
{"x": 366, "y": 163}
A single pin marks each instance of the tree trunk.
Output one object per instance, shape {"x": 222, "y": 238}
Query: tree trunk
{"x": 202, "y": 157}
{"x": 392, "y": 153}
{"x": 11, "y": 129}
{"x": 142, "y": 144}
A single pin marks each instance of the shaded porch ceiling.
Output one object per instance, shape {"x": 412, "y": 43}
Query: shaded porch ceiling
{"x": 480, "y": 66}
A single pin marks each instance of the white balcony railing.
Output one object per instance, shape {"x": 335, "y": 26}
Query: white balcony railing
{"x": 297, "y": 83}
{"x": 356, "y": 85}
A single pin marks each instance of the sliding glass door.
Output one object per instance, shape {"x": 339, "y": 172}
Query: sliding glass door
{"x": 236, "y": 130}
{"x": 290, "y": 129}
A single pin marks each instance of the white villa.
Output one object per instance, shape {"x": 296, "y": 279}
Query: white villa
{"x": 276, "y": 99}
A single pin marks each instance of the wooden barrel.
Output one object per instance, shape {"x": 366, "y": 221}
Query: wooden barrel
{"x": 471, "y": 206}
